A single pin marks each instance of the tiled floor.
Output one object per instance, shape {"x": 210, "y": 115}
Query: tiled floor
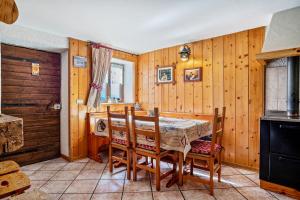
{"x": 86, "y": 179}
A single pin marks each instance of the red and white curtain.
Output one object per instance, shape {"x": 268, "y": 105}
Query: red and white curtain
{"x": 101, "y": 62}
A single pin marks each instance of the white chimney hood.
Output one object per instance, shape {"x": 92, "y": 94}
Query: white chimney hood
{"x": 284, "y": 31}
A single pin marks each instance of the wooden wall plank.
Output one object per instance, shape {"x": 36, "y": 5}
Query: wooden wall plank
{"x": 151, "y": 88}
{"x": 198, "y": 86}
{"x": 73, "y": 95}
{"x": 256, "y": 85}
{"x": 218, "y": 72}
{"x": 179, "y": 84}
{"x": 242, "y": 96}
{"x": 83, "y": 90}
{"x": 165, "y": 87}
{"x": 157, "y": 62}
{"x": 207, "y": 77}
{"x": 145, "y": 74}
{"x": 172, "y": 87}
{"x": 229, "y": 97}
{"x": 189, "y": 86}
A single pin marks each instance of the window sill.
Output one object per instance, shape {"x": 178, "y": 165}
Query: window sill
{"x": 116, "y": 104}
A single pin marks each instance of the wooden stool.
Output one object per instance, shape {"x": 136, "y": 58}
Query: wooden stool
{"x": 12, "y": 181}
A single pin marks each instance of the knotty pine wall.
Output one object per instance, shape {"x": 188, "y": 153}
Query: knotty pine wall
{"x": 79, "y": 85}
{"x": 231, "y": 77}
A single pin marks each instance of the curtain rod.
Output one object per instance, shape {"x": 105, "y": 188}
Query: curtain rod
{"x": 101, "y": 45}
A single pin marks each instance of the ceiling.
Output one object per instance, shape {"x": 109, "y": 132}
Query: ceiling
{"x": 138, "y": 26}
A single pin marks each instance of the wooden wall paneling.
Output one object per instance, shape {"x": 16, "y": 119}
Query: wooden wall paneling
{"x": 229, "y": 97}
{"x": 172, "y": 87}
{"x": 218, "y": 81}
{"x": 157, "y": 61}
{"x": 242, "y": 98}
{"x": 140, "y": 80}
{"x": 256, "y": 84}
{"x": 179, "y": 83}
{"x": 83, "y": 91}
{"x": 73, "y": 95}
{"x": 189, "y": 86}
{"x": 198, "y": 90}
{"x": 231, "y": 77}
{"x": 207, "y": 77}
{"x": 145, "y": 86}
{"x": 151, "y": 88}
{"x": 165, "y": 87}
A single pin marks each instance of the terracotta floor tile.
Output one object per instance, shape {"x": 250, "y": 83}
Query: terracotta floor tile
{"x": 238, "y": 181}
{"x": 89, "y": 174}
{"x": 254, "y": 178}
{"x": 33, "y": 167}
{"x": 42, "y": 175}
{"x": 58, "y": 160}
{"x": 197, "y": 195}
{"x": 107, "y": 196}
{"x": 83, "y": 160}
{"x": 163, "y": 184}
{"x": 65, "y": 175}
{"x": 94, "y": 165}
{"x": 74, "y": 166}
{"x": 246, "y": 171}
{"x": 255, "y": 193}
{"x": 55, "y": 186}
{"x": 82, "y": 186}
{"x": 227, "y": 170}
{"x": 169, "y": 195}
{"x": 55, "y": 196}
{"x": 116, "y": 174}
{"x": 137, "y": 186}
{"x": 36, "y": 184}
{"x": 281, "y": 196}
{"x": 53, "y": 166}
{"x": 75, "y": 197}
{"x": 191, "y": 185}
{"x": 137, "y": 196}
{"x": 228, "y": 194}
{"x": 109, "y": 186}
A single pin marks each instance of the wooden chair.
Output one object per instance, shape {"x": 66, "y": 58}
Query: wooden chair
{"x": 120, "y": 144}
{"x": 154, "y": 152}
{"x": 206, "y": 155}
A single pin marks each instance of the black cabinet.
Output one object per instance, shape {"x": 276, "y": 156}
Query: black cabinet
{"x": 280, "y": 152}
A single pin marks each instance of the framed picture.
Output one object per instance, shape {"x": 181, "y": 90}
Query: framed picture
{"x": 35, "y": 69}
{"x": 165, "y": 74}
{"x": 193, "y": 74}
{"x": 79, "y": 61}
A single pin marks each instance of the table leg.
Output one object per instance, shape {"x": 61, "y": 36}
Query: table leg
{"x": 180, "y": 166}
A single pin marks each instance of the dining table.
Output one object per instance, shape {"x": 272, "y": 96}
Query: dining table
{"x": 175, "y": 134}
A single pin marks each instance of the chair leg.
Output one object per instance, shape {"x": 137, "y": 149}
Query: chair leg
{"x": 110, "y": 159}
{"x": 128, "y": 164}
{"x": 146, "y": 161}
{"x": 219, "y": 174}
{"x": 134, "y": 165}
{"x": 192, "y": 167}
{"x": 211, "y": 178}
{"x": 152, "y": 162}
{"x": 157, "y": 173}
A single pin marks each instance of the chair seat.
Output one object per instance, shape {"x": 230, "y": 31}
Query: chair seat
{"x": 146, "y": 147}
{"x": 119, "y": 141}
{"x": 203, "y": 147}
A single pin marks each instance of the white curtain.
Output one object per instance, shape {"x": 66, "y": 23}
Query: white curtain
{"x": 101, "y": 62}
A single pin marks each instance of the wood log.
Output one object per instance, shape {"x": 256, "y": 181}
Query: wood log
{"x": 11, "y": 133}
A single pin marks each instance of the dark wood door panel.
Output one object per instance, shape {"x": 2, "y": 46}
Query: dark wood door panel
{"x": 30, "y": 97}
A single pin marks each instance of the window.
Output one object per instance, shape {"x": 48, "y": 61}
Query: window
{"x": 113, "y": 86}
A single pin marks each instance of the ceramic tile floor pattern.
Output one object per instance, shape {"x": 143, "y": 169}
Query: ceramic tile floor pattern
{"x": 86, "y": 179}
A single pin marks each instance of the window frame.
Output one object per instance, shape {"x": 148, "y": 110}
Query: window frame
{"x": 108, "y": 86}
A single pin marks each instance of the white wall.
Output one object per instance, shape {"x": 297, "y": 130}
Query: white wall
{"x": 64, "y": 113}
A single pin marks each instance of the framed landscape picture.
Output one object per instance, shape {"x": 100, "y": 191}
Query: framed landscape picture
{"x": 165, "y": 74}
{"x": 193, "y": 74}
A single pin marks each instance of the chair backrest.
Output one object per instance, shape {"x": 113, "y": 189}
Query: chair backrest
{"x": 120, "y": 128}
{"x": 153, "y": 134}
{"x": 218, "y": 128}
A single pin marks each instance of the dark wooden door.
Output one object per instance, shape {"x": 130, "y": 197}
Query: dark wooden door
{"x": 31, "y": 98}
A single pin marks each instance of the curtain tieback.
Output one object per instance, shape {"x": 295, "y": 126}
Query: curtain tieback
{"x": 95, "y": 86}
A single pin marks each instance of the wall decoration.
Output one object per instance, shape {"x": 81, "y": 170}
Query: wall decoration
{"x": 193, "y": 74}
{"x": 35, "y": 69}
{"x": 165, "y": 74}
{"x": 79, "y": 61}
